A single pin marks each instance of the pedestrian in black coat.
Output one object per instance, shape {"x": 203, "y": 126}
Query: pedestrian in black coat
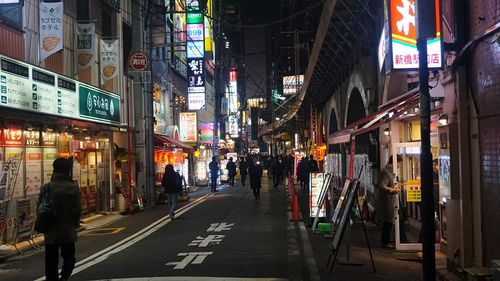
{"x": 255, "y": 172}
{"x": 231, "y": 167}
{"x": 243, "y": 170}
{"x": 172, "y": 183}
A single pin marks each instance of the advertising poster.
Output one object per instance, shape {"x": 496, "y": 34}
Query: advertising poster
{"x": 85, "y": 45}
{"x": 49, "y": 155}
{"x": 315, "y": 184}
{"x": 109, "y": 59}
{"x": 207, "y": 132}
{"x": 76, "y": 171}
{"x": 33, "y": 171}
{"x": 25, "y": 219}
{"x": 17, "y": 170}
{"x": 51, "y": 28}
{"x": 8, "y": 172}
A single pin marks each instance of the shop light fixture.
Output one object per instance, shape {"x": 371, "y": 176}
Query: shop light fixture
{"x": 443, "y": 119}
{"x": 387, "y": 131}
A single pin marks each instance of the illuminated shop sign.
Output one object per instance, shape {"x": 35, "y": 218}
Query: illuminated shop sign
{"x": 403, "y": 39}
{"x": 196, "y": 101}
{"x": 292, "y": 84}
{"x": 27, "y": 87}
{"x": 233, "y": 91}
{"x": 195, "y": 53}
{"x": 188, "y": 127}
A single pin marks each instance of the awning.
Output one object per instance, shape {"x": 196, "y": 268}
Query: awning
{"x": 396, "y": 107}
{"x": 166, "y": 141}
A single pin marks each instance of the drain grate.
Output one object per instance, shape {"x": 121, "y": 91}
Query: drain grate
{"x": 106, "y": 231}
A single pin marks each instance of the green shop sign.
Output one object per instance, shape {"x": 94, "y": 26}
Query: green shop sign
{"x": 194, "y": 17}
{"x": 95, "y": 104}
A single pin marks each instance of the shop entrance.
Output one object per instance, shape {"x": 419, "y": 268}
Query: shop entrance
{"x": 92, "y": 180}
{"x": 408, "y": 220}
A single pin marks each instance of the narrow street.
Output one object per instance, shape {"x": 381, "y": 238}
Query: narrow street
{"x": 248, "y": 240}
{"x": 225, "y": 235}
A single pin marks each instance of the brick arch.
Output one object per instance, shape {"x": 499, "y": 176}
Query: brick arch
{"x": 333, "y": 126}
{"x": 355, "y": 86}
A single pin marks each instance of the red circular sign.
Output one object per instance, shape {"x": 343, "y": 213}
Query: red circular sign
{"x": 138, "y": 61}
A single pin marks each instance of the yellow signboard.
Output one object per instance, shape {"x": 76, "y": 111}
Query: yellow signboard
{"x": 413, "y": 192}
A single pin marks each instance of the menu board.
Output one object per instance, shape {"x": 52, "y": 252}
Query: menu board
{"x": 37, "y": 92}
{"x": 19, "y": 185}
{"x": 33, "y": 171}
{"x": 49, "y": 155}
{"x": 315, "y": 184}
{"x": 27, "y": 87}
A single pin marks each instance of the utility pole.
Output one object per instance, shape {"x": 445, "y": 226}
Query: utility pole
{"x": 148, "y": 114}
{"x": 426, "y": 23}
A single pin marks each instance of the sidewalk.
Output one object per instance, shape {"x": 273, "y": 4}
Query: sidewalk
{"x": 391, "y": 265}
{"x": 8, "y": 251}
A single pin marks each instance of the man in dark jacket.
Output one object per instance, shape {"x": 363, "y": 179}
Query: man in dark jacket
{"x": 255, "y": 172}
{"x": 313, "y": 165}
{"x": 231, "y": 168}
{"x": 303, "y": 173}
{"x": 275, "y": 171}
{"x": 243, "y": 170}
{"x": 64, "y": 199}
{"x": 214, "y": 174}
{"x": 172, "y": 183}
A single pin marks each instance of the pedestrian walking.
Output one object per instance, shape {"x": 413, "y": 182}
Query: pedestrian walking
{"x": 313, "y": 164}
{"x": 243, "y": 170}
{"x": 387, "y": 188}
{"x": 275, "y": 171}
{"x": 231, "y": 167}
{"x": 172, "y": 183}
{"x": 303, "y": 173}
{"x": 62, "y": 195}
{"x": 255, "y": 173}
{"x": 214, "y": 174}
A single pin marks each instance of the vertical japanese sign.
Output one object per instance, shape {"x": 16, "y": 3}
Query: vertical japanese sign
{"x": 109, "y": 59}
{"x": 51, "y": 28}
{"x": 188, "y": 127}
{"x": 232, "y": 94}
{"x": 195, "y": 53}
{"x": 85, "y": 45}
{"x": 404, "y": 36}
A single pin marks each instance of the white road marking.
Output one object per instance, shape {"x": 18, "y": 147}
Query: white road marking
{"x": 132, "y": 239}
{"x": 218, "y": 227}
{"x": 195, "y": 278}
{"x": 191, "y": 257}
{"x": 209, "y": 240}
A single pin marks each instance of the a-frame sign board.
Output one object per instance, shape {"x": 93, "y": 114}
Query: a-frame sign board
{"x": 343, "y": 218}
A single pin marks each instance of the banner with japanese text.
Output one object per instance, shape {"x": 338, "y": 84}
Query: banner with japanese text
{"x": 51, "y": 28}
{"x": 85, "y": 45}
{"x": 109, "y": 59}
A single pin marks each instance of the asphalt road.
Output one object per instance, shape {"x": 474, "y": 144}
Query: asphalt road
{"x": 221, "y": 236}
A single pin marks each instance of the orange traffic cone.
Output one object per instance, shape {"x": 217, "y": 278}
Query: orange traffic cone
{"x": 295, "y": 208}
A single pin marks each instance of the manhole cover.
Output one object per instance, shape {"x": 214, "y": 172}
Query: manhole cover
{"x": 106, "y": 231}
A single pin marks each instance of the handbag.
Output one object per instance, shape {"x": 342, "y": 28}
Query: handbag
{"x": 183, "y": 196}
{"x": 46, "y": 216}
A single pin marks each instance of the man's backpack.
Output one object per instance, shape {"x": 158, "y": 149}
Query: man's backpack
{"x": 46, "y": 215}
